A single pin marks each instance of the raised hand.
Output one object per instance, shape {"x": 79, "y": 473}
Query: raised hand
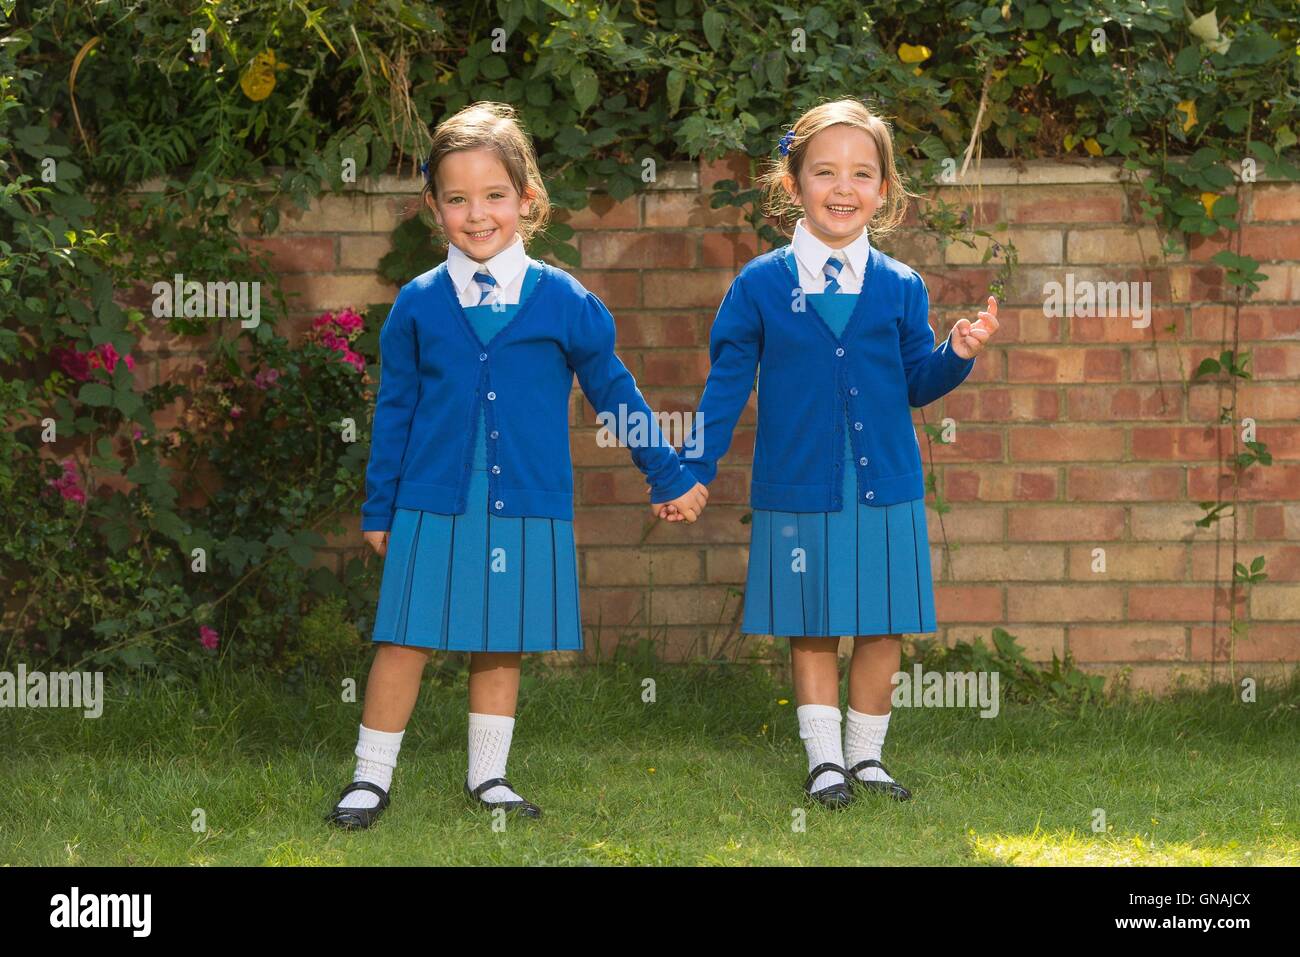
{"x": 969, "y": 338}
{"x": 687, "y": 508}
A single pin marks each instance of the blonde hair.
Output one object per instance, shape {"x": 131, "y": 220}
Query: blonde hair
{"x": 779, "y": 203}
{"x": 494, "y": 126}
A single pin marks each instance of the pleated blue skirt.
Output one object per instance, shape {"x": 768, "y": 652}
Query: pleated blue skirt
{"x": 863, "y": 570}
{"x": 479, "y": 582}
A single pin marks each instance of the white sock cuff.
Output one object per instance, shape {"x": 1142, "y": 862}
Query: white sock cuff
{"x": 380, "y": 747}
{"x": 380, "y": 739}
{"x": 813, "y": 712}
{"x": 870, "y": 720}
{"x": 503, "y": 721}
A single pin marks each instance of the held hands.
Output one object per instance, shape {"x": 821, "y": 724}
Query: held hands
{"x": 968, "y": 338}
{"x": 687, "y": 508}
{"x": 378, "y": 541}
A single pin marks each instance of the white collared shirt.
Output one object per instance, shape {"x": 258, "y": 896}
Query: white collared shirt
{"x": 506, "y": 267}
{"x": 811, "y": 255}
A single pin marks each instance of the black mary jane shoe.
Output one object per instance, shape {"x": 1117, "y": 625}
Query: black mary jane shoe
{"x": 891, "y": 788}
{"x": 521, "y": 807}
{"x": 834, "y": 797}
{"x": 357, "y": 818}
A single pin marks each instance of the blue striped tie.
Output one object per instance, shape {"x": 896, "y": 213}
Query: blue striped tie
{"x": 832, "y": 271}
{"x": 487, "y": 285}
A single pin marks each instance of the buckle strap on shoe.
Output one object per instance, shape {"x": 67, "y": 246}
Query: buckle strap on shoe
{"x": 364, "y": 786}
{"x": 822, "y": 769}
{"x": 488, "y": 785}
{"x": 868, "y": 763}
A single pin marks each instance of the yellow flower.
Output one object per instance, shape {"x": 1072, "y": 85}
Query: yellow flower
{"x": 1208, "y": 200}
{"x": 1188, "y": 107}
{"x": 913, "y": 54}
{"x": 651, "y": 770}
{"x": 1092, "y": 146}
{"x": 258, "y": 79}
{"x": 782, "y": 701}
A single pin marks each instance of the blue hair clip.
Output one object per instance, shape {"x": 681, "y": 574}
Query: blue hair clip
{"x": 424, "y": 169}
{"x": 784, "y": 145}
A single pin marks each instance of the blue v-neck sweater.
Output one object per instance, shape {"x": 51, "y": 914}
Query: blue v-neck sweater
{"x": 437, "y": 377}
{"x": 813, "y": 384}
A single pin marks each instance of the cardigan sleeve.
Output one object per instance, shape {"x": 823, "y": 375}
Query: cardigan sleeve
{"x": 399, "y": 390}
{"x": 608, "y": 385}
{"x": 931, "y": 373}
{"x": 735, "y": 342}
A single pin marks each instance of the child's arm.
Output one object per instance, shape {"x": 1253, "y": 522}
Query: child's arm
{"x": 607, "y": 384}
{"x": 399, "y": 388}
{"x": 735, "y": 342}
{"x": 931, "y": 373}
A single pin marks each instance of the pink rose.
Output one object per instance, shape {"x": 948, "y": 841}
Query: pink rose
{"x": 111, "y": 358}
{"x": 68, "y": 484}
{"x": 78, "y": 365}
{"x": 349, "y": 321}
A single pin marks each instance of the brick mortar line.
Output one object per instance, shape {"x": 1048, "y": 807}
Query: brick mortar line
{"x": 684, "y": 176}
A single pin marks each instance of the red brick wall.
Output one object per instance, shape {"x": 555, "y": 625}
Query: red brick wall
{"x": 1071, "y": 434}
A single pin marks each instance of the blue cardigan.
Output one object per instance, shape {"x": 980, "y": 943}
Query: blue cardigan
{"x": 436, "y": 378}
{"x": 811, "y": 381}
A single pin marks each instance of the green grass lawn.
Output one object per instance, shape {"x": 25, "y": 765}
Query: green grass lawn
{"x": 710, "y": 773}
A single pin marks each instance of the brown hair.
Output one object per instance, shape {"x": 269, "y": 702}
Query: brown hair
{"x": 494, "y": 126}
{"x": 780, "y": 205}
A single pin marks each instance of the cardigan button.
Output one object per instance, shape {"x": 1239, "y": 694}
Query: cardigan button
{"x": 496, "y": 470}
{"x": 482, "y": 357}
{"x": 863, "y": 460}
{"x": 857, "y": 426}
{"x": 869, "y": 495}
{"x": 499, "y": 504}
{"x": 493, "y": 434}
{"x": 853, "y": 391}
{"x": 491, "y": 396}
{"x": 839, "y": 352}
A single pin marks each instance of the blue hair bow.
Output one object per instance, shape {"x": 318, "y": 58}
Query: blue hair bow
{"x": 784, "y": 145}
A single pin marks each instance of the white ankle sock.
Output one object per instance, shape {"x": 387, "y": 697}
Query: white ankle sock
{"x": 489, "y": 747}
{"x": 819, "y": 727}
{"x": 376, "y": 758}
{"x": 864, "y": 736}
